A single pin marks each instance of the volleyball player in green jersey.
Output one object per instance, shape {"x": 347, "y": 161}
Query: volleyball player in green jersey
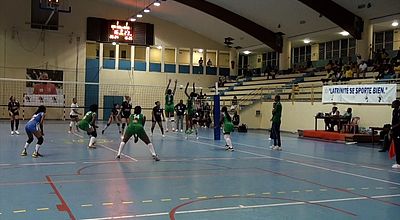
{"x": 191, "y": 111}
{"x": 228, "y": 127}
{"x": 136, "y": 128}
{"x": 88, "y": 124}
{"x": 169, "y": 106}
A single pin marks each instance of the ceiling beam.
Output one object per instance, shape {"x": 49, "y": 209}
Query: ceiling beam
{"x": 271, "y": 39}
{"x": 338, "y": 15}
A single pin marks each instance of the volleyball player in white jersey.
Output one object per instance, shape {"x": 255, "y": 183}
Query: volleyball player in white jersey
{"x": 74, "y": 115}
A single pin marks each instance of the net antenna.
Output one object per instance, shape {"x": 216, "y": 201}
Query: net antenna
{"x": 54, "y": 7}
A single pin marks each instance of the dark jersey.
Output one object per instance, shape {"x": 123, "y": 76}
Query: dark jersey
{"x": 114, "y": 111}
{"x": 126, "y": 109}
{"x": 180, "y": 109}
{"x": 395, "y": 121}
{"x": 13, "y": 106}
{"x": 157, "y": 113}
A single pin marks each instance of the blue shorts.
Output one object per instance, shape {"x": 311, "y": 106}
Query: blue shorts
{"x": 31, "y": 127}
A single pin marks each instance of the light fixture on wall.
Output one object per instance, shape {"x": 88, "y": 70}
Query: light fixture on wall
{"x": 307, "y": 41}
{"x": 146, "y": 9}
{"x": 200, "y": 50}
{"x": 344, "y": 33}
{"x": 395, "y": 23}
{"x": 159, "y": 47}
{"x": 114, "y": 43}
{"x": 246, "y": 52}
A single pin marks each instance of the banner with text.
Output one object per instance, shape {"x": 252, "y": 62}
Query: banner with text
{"x": 46, "y": 100}
{"x": 360, "y": 94}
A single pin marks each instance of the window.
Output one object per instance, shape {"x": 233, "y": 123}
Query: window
{"x": 123, "y": 54}
{"x": 378, "y": 42}
{"x": 302, "y": 54}
{"x": 344, "y": 45}
{"x": 328, "y": 46}
{"x": 335, "y": 50}
{"x": 308, "y": 52}
{"x": 296, "y": 55}
{"x": 388, "y": 40}
{"x": 322, "y": 51}
{"x": 352, "y": 47}
{"x": 112, "y": 53}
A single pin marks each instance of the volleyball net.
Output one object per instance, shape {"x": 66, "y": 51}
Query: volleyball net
{"x": 57, "y": 96}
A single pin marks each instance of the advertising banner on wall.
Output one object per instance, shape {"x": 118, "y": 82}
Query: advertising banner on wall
{"x": 45, "y": 92}
{"x": 360, "y": 94}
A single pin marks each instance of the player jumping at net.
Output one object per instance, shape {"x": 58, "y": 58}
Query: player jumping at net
{"x": 136, "y": 128}
{"x": 169, "y": 106}
{"x": 74, "y": 115}
{"x": 88, "y": 124}
{"x": 34, "y": 127}
{"x": 114, "y": 116}
{"x": 126, "y": 109}
{"x": 13, "y": 111}
{"x": 226, "y": 122}
{"x": 157, "y": 113}
{"x": 191, "y": 111}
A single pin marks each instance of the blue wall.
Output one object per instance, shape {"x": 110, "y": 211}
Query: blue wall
{"x": 140, "y": 65}
{"x": 211, "y": 70}
{"x": 124, "y": 65}
{"x": 169, "y": 68}
{"x": 224, "y": 71}
{"x": 198, "y": 70}
{"x": 91, "y": 75}
{"x": 184, "y": 69}
{"x": 109, "y": 64}
{"x": 155, "y": 67}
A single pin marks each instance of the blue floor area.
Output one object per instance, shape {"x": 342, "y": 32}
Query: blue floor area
{"x": 195, "y": 179}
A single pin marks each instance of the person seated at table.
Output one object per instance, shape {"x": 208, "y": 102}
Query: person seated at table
{"x": 348, "y": 115}
{"x": 332, "y": 119}
{"x": 384, "y": 135}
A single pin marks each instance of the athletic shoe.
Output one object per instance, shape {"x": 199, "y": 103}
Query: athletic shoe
{"x": 197, "y": 138}
{"x": 278, "y": 148}
{"x": 102, "y": 131}
{"x": 92, "y": 147}
{"x": 396, "y": 166}
{"x": 173, "y": 130}
{"x": 36, "y": 154}
{"x": 163, "y": 136}
{"x": 12, "y": 132}
{"x": 23, "y": 153}
{"x": 230, "y": 149}
{"x": 181, "y": 130}
{"x": 156, "y": 158}
{"x": 118, "y": 157}
{"x": 383, "y": 150}
{"x": 69, "y": 132}
{"x": 269, "y": 139}
{"x": 166, "y": 130}
{"x": 16, "y": 132}
{"x": 272, "y": 147}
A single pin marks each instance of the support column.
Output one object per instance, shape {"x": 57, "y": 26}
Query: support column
{"x": 233, "y": 62}
{"x": 162, "y": 59}
{"x": 101, "y": 56}
{"x": 284, "y": 57}
{"x": 191, "y": 60}
{"x": 364, "y": 46}
{"x": 147, "y": 59}
{"x": 132, "y": 58}
{"x": 176, "y": 60}
{"x": 204, "y": 61}
{"x": 116, "y": 57}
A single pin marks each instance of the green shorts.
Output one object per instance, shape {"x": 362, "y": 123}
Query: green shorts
{"x": 84, "y": 125}
{"x": 228, "y": 128}
{"x": 135, "y": 130}
{"x": 191, "y": 112}
{"x": 169, "y": 108}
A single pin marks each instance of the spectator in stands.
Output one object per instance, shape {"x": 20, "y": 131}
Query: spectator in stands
{"x": 384, "y": 56}
{"x": 332, "y": 119}
{"x": 268, "y": 71}
{"x": 359, "y": 60}
{"x": 396, "y": 59}
{"x": 201, "y": 62}
{"x": 209, "y": 63}
{"x": 397, "y": 69}
{"x": 348, "y": 115}
{"x": 221, "y": 82}
{"x": 348, "y": 74}
{"x": 309, "y": 64}
{"x": 329, "y": 66}
{"x": 362, "y": 68}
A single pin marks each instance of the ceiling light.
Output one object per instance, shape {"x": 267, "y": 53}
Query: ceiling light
{"x": 200, "y": 50}
{"x": 306, "y": 41}
{"x": 395, "y": 23}
{"x": 132, "y": 19}
{"x": 157, "y": 3}
{"x": 344, "y": 33}
{"x": 139, "y": 15}
{"x": 146, "y": 10}
{"x": 159, "y": 47}
{"x": 114, "y": 43}
{"x": 247, "y": 52}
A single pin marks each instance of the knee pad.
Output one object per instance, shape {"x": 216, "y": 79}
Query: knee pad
{"x": 172, "y": 119}
{"x": 30, "y": 139}
{"x": 40, "y": 140}
{"x": 94, "y": 134}
{"x": 71, "y": 124}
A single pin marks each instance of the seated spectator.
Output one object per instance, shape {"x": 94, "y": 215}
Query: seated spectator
{"x": 201, "y": 62}
{"x": 348, "y": 115}
{"x": 348, "y": 74}
{"x": 209, "y": 63}
{"x": 336, "y": 75}
{"x": 236, "y": 119}
{"x": 397, "y": 69}
{"x": 332, "y": 119}
{"x": 362, "y": 69}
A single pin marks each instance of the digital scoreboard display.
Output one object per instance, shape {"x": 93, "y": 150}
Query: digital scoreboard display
{"x": 118, "y": 31}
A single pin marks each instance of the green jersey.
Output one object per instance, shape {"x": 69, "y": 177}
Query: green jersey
{"x": 89, "y": 117}
{"x": 190, "y": 106}
{"x": 169, "y": 99}
{"x": 228, "y": 126}
{"x": 136, "y": 119}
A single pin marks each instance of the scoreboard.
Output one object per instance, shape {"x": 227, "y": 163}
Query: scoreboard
{"x": 120, "y": 31}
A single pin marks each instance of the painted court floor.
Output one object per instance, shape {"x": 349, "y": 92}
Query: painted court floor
{"x": 195, "y": 179}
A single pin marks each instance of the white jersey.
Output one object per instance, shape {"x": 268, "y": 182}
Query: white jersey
{"x": 74, "y": 109}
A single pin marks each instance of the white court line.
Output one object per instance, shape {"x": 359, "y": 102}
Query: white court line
{"x": 45, "y": 164}
{"x": 108, "y": 148}
{"x": 303, "y": 164}
{"x": 246, "y": 207}
{"x": 314, "y": 157}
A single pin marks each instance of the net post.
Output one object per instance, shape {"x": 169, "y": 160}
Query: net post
{"x": 23, "y": 107}
{"x": 217, "y": 113}
{"x": 64, "y": 108}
